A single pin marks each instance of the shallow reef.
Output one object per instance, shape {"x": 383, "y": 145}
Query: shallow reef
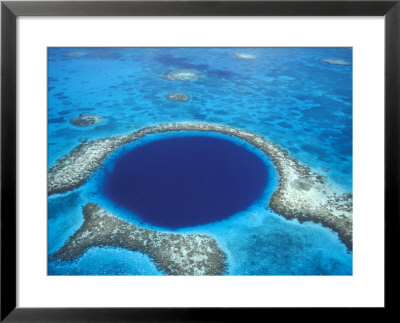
{"x": 86, "y": 119}
{"x": 74, "y": 54}
{"x": 336, "y": 62}
{"x": 175, "y": 254}
{"x": 178, "y": 96}
{"x": 302, "y": 193}
{"x": 181, "y": 75}
{"x": 246, "y": 56}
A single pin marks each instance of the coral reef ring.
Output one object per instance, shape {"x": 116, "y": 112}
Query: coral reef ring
{"x": 302, "y": 193}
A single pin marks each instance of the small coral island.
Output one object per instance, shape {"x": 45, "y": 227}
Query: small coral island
{"x": 86, "y": 119}
{"x": 246, "y": 56}
{"x": 181, "y": 75}
{"x": 177, "y": 96}
{"x": 302, "y": 193}
{"x": 336, "y": 62}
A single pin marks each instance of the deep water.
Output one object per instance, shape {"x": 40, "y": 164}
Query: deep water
{"x": 288, "y": 95}
{"x": 186, "y": 181}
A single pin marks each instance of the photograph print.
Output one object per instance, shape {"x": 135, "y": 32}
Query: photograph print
{"x": 200, "y": 161}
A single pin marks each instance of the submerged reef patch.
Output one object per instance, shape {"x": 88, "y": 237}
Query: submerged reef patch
{"x": 74, "y": 54}
{"x": 86, "y": 119}
{"x": 181, "y": 75}
{"x": 175, "y": 254}
{"x": 336, "y": 62}
{"x": 246, "y": 56}
{"x": 83, "y": 139}
{"x": 302, "y": 193}
{"x": 177, "y": 96}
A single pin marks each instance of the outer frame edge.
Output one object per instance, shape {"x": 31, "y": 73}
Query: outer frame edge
{"x": 9, "y": 312}
{"x": 8, "y": 161}
{"x": 392, "y": 151}
{"x": 203, "y": 8}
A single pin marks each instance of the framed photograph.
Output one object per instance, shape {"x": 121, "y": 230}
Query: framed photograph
{"x": 182, "y": 160}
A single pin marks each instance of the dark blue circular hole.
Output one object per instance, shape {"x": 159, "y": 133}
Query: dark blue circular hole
{"x": 186, "y": 181}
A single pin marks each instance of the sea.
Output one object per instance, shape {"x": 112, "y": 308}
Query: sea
{"x": 298, "y": 98}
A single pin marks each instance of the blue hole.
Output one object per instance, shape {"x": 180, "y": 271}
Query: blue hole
{"x": 186, "y": 181}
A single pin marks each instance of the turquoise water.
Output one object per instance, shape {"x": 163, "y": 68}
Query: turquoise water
{"x": 288, "y": 95}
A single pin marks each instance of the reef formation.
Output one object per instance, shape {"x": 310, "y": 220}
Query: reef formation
{"x": 302, "y": 193}
{"x": 178, "y": 96}
{"x": 175, "y": 254}
{"x": 246, "y": 56}
{"x": 83, "y": 139}
{"x": 181, "y": 75}
{"x": 336, "y": 62}
{"x": 86, "y": 119}
{"x": 74, "y": 54}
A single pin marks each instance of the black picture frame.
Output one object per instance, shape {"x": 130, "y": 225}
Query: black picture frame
{"x": 11, "y": 10}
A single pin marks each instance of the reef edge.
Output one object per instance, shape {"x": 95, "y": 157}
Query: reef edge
{"x": 174, "y": 254}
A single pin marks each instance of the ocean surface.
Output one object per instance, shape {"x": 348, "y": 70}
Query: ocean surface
{"x": 291, "y": 96}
